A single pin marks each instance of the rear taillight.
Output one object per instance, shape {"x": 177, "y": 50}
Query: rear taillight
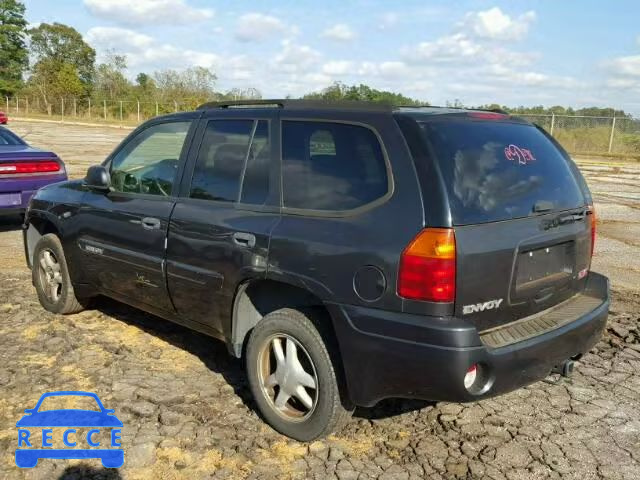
{"x": 31, "y": 166}
{"x": 428, "y": 267}
{"x": 592, "y": 212}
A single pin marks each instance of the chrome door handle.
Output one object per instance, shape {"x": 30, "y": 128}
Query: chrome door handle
{"x": 244, "y": 239}
{"x": 150, "y": 223}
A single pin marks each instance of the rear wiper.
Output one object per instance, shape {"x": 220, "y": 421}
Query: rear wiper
{"x": 571, "y": 218}
{"x": 542, "y": 206}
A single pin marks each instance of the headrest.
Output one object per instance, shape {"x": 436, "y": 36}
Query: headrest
{"x": 229, "y": 159}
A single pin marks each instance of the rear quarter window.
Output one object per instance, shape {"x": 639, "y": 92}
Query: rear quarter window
{"x": 496, "y": 170}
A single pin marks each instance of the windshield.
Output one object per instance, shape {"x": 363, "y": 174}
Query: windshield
{"x": 500, "y": 170}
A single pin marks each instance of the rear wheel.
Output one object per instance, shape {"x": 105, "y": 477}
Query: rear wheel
{"x": 292, "y": 375}
{"x": 51, "y": 277}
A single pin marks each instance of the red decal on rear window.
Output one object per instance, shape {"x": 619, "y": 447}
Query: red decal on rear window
{"x": 519, "y": 154}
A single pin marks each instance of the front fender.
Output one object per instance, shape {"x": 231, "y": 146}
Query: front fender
{"x": 37, "y": 223}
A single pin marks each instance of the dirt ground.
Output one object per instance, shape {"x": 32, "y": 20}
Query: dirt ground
{"x": 188, "y": 413}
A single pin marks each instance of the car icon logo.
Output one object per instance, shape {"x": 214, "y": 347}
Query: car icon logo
{"x": 28, "y": 453}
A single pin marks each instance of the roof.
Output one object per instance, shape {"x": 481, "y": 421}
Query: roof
{"x": 350, "y": 105}
{"x": 290, "y": 104}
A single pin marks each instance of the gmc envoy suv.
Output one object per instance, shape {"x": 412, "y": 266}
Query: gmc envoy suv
{"x": 348, "y": 252}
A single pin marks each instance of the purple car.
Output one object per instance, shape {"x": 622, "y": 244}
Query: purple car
{"x": 23, "y": 170}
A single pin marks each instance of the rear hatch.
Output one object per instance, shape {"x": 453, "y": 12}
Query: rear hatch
{"x": 521, "y": 213}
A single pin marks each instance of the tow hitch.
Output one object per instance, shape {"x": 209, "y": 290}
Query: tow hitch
{"x": 565, "y": 368}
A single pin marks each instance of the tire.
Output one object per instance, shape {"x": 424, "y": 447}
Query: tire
{"x": 51, "y": 278}
{"x": 324, "y": 410}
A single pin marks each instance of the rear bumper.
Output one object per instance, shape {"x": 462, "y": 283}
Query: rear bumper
{"x": 15, "y": 193}
{"x": 389, "y": 354}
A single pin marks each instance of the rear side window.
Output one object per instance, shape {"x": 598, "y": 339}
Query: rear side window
{"x": 331, "y": 166}
{"x": 255, "y": 186}
{"x": 499, "y": 170}
{"x": 221, "y": 169}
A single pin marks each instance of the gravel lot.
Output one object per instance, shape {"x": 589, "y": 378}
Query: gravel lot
{"x": 188, "y": 414}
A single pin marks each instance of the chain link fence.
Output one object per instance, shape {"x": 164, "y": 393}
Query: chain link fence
{"x": 578, "y": 134}
{"x": 592, "y": 135}
{"x": 124, "y": 112}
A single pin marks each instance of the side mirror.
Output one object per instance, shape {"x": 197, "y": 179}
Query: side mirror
{"x": 98, "y": 178}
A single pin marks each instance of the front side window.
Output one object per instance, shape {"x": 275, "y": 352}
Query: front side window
{"x": 149, "y": 162}
{"x": 331, "y": 166}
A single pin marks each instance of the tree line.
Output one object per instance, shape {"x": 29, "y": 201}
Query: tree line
{"x": 53, "y": 61}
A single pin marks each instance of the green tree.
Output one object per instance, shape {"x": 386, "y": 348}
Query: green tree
{"x": 14, "y": 57}
{"x": 53, "y": 80}
{"x": 60, "y": 53}
{"x": 145, "y": 88}
{"x": 189, "y": 87}
{"x": 340, "y": 91}
{"x": 242, "y": 94}
{"x": 63, "y": 44}
{"x": 145, "y": 82}
{"x": 110, "y": 81}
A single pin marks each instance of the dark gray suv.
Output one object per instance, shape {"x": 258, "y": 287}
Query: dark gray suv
{"x": 348, "y": 252}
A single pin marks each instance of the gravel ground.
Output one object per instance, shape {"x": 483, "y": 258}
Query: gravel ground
{"x": 187, "y": 411}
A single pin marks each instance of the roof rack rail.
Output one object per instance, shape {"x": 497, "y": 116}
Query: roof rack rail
{"x": 455, "y": 108}
{"x": 290, "y": 104}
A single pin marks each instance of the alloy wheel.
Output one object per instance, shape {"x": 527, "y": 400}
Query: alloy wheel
{"x": 50, "y": 275}
{"x": 288, "y": 377}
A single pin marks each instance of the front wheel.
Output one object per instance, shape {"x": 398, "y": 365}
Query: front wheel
{"x": 292, "y": 375}
{"x": 51, "y": 277}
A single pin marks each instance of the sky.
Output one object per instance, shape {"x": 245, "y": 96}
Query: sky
{"x": 511, "y": 52}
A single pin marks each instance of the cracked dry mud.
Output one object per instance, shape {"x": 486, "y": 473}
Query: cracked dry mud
{"x": 187, "y": 410}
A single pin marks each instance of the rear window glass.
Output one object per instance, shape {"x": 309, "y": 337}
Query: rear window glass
{"x": 498, "y": 170}
{"x": 8, "y": 138}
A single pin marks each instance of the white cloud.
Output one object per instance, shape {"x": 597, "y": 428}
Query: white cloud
{"x": 296, "y": 58}
{"x": 340, "y": 32}
{"x": 388, "y": 20}
{"x": 471, "y": 56}
{"x": 338, "y": 67}
{"x": 623, "y": 83}
{"x": 494, "y": 24}
{"x": 148, "y": 11}
{"x": 239, "y": 67}
{"x": 394, "y": 69}
{"x": 116, "y": 38}
{"x": 258, "y": 26}
{"x": 144, "y": 52}
{"x": 626, "y": 66}
{"x": 623, "y": 77}
{"x": 444, "y": 49}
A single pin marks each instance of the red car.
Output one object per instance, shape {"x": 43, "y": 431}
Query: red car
{"x": 3, "y": 118}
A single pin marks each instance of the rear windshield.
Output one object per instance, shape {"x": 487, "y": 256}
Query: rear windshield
{"x": 500, "y": 170}
{"x": 8, "y": 138}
